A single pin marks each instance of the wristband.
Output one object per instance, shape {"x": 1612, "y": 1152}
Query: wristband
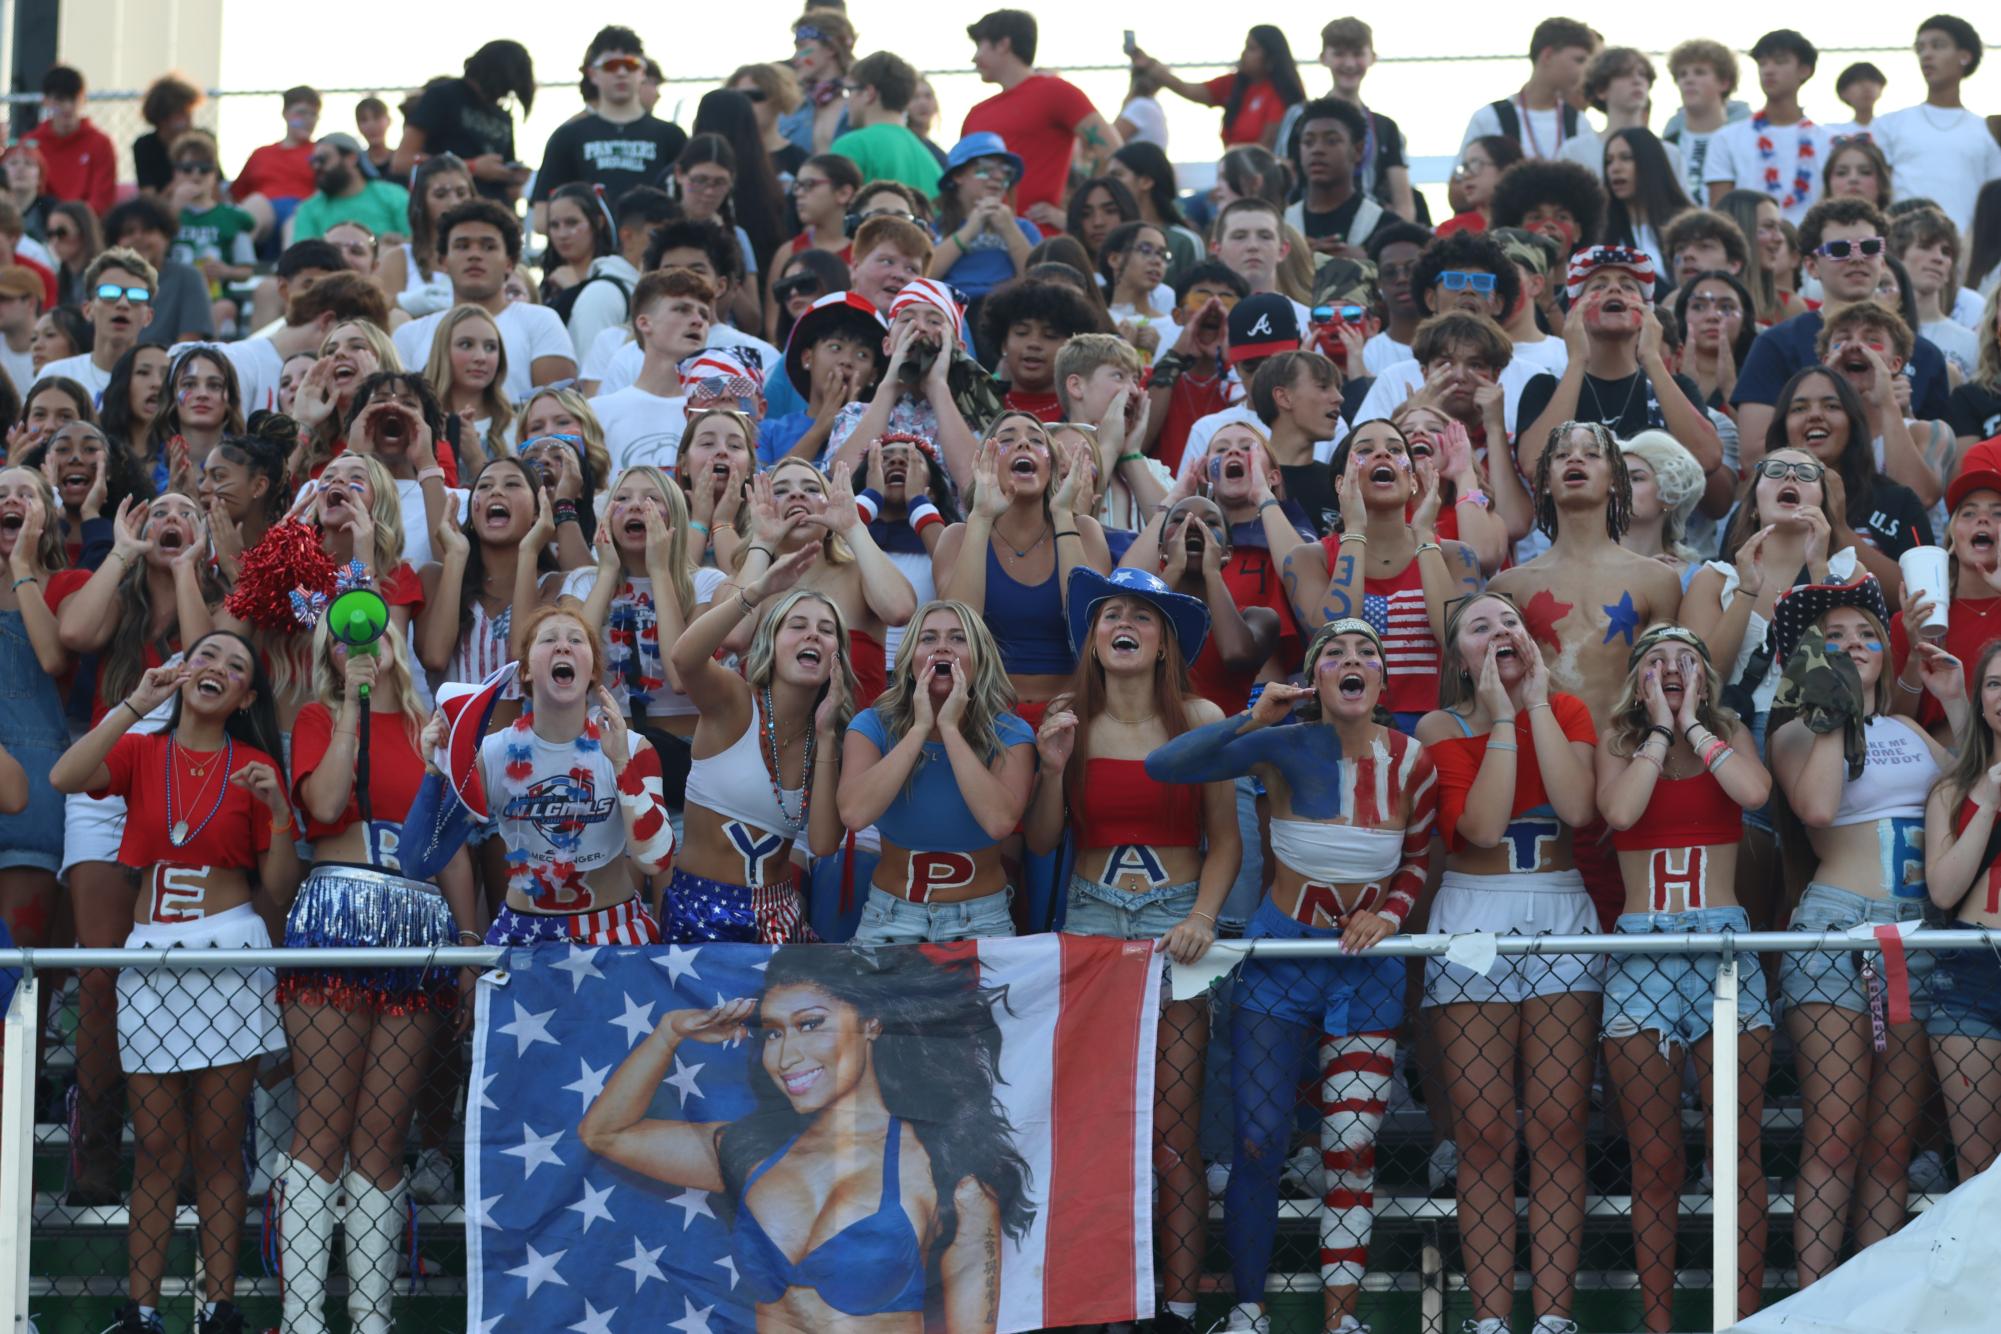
{"x": 1132, "y": 458}
{"x": 699, "y": 526}
{"x": 136, "y": 715}
{"x": 565, "y": 511}
{"x": 754, "y": 547}
{"x": 1268, "y": 503}
{"x": 26, "y": 579}
{"x": 1722, "y": 758}
{"x": 1423, "y": 547}
{"x": 1507, "y": 746}
{"x": 869, "y": 504}
{"x": 1659, "y": 730}
{"x": 1060, "y": 534}
{"x": 1197, "y": 912}
{"x": 749, "y": 607}
{"x": 477, "y": 938}
{"x": 286, "y": 828}
{"x": 428, "y": 473}
{"x": 922, "y": 515}
{"x": 1474, "y": 497}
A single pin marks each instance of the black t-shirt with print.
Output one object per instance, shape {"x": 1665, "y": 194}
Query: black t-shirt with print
{"x": 1974, "y": 410}
{"x": 597, "y": 151}
{"x": 455, "y": 121}
{"x": 1628, "y": 406}
{"x": 1894, "y": 519}
{"x": 1340, "y": 222}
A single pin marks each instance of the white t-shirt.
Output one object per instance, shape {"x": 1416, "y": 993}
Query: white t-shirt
{"x": 1734, "y": 157}
{"x": 527, "y": 331}
{"x": 1148, "y": 118}
{"x": 1382, "y": 351}
{"x": 1941, "y": 154}
{"x": 622, "y": 356}
{"x": 417, "y": 547}
{"x": 1163, "y": 325}
{"x": 641, "y": 428}
{"x": 1541, "y": 134}
{"x": 1968, "y": 304}
{"x": 81, "y": 369}
{"x": 20, "y": 368}
{"x": 1692, "y": 150}
{"x": 1960, "y": 344}
{"x": 1547, "y": 354}
{"x": 1397, "y": 383}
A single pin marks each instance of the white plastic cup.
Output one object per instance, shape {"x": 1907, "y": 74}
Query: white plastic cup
{"x": 1925, "y": 572}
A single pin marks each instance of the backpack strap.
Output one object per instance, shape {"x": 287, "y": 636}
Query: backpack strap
{"x": 1511, "y": 123}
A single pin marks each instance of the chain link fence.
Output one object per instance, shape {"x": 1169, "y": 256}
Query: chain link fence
{"x": 1419, "y": 1137}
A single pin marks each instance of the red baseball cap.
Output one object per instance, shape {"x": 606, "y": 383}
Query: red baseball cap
{"x": 1979, "y": 470}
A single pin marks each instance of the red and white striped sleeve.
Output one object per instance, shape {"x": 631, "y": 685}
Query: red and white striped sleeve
{"x": 649, "y": 834}
{"x": 1418, "y": 782}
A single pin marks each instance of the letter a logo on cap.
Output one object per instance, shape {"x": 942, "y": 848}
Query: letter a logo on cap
{"x": 1262, "y": 329}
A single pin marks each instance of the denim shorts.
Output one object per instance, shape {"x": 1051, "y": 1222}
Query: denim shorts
{"x": 1673, "y": 995}
{"x": 888, "y": 920}
{"x": 1096, "y": 909}
{"x": 1336, "y": 996}
{"x": 1823, "y": 977}
{"x": 1966, "y": 993}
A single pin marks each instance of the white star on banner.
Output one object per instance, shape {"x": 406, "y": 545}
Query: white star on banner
{"x": 534, "y": 1150}
{"x": 696, "y": 1321}
{"x": 728, "y": 1262}
{"x": 487, "y": 1326}
{"x": 540, "y": 1269}
{"x": 588, "y": 1084}
{"x": 485, "y": 1102}
{"x": 679, "y": 962}
{"x": 528, "y": 1029}
{"x": 592, "y": 1205}
{"x": 644, "y": 1265}
{"x": 695, "y": 1202}
{"x": 637, "y": 1021}
{"x": 683, "y": 1079}
{"x": 482, "y": 1213}
{"x": 579, "y": 966}
{"x": 595, "y": 1321}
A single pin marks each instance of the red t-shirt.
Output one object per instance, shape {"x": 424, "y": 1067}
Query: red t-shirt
{"x": 402, "y": 588}
{"x": 395, "y": 770}
{"x": 1472, "y": 220}
{"x": 276, "y": 171}
{"x": 1191, "y": 399}
{"x": 1969, "y": 624}
{"x": 238, "y": 830}
{"x": 1038, "y": 120}
{"x": 80, "y": 166}
{"x": 1260, "y": 110}
{"x": 61, "y": 585}
{"x": 1043, "y": 407}
{"x": 1458, "y": 761}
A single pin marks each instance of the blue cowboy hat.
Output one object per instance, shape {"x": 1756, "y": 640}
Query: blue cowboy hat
{"x": 984, "y": 143}
{"x": 1188, "y": 615}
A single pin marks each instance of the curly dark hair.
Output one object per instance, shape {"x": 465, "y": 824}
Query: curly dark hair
{"x": 1533, "y": 181}
{"x": 1057, "y": 304}
{"x": 937, "y": 1062}
{"x": 429, "y": 408}
{"x": 1468, "y": 250}
{"x": 1618, "y": 508}
{"x": 264, "y": 447}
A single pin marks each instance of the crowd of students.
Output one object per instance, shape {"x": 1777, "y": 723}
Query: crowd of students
{"x": 836, "y": 536}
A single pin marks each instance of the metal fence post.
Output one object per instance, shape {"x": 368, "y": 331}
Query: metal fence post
{"x": 1723, "y": 1156}
{"x": 17, "y": 1147}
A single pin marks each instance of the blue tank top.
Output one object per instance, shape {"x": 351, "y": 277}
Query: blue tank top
{"x": 872, "y": 1265}
{"x": 930, "y": 813}
{"x": 1028, "y": 623}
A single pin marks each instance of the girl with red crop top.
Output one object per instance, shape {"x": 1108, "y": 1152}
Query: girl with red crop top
{"x": 134, "y": 611}
{"x": 358, "y": 1038}
{"x": 206, "y": 822}
{"x": 1143, "y": 871}
{"x": 1676, "y": 772}
{"x": 1514, "y": 779}
{"x": 794, "y": 506}
{"x": 1392, "y": 574}
{"x": 1963, "y": 876}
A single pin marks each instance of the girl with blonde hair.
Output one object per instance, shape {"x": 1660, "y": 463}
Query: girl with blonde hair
{"x": 468, "y": 372}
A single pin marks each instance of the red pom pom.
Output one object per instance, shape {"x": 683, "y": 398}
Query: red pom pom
{"x": 519, "y": 770}
{"x": 288, "y": 558}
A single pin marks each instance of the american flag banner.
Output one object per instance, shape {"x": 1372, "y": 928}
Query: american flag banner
{"x": 758, "y": 1138}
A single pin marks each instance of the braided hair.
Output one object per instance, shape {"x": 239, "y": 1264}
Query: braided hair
{"x": 1619, "y": 506}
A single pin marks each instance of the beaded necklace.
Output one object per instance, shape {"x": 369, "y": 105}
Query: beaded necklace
{"x": 178, "y": 833}
{"x": 769, "y": 726}
{"x": 1802, "y": 186}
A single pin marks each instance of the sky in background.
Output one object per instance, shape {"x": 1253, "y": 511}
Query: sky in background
{"x": 265, "y": 46}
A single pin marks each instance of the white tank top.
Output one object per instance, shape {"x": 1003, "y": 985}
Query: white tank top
{"x": 1896, "y": 778}
{"x": 736, "y": 785}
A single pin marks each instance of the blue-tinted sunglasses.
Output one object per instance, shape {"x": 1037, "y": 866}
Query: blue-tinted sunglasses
{"x": 138, "y": 296}
{"x": 1458, "y": 280}
{"x": 1349, "y": 314}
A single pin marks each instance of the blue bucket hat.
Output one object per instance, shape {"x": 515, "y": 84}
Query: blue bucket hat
{"x": 1188, "y": 615}
{"x": 985, "y": 143}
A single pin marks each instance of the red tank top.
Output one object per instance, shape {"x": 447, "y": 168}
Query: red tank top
{"x": 871, "y": 671}
{"x": 1395, "y": 607}
{"x": 1684, "y": 813}
{"x": 1123, "y": 805}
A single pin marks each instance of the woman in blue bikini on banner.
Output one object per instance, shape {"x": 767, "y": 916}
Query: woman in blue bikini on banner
{"x": 878, "y": 1074}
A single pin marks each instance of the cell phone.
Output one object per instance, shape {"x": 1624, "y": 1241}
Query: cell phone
{"x": 1131, "y": 45}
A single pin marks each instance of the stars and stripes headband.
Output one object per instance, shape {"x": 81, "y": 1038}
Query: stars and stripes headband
{"x": 1588, "y": 261}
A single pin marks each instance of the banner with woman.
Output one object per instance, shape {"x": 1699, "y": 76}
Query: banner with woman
{"x": 742, "y": 1137}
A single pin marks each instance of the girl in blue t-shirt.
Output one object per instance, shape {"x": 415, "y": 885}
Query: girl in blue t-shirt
{"x": 942, "y": 769}
{"x": 981, "y": 242}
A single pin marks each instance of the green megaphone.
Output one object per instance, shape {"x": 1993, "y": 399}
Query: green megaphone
{"x": 358, "y": 618}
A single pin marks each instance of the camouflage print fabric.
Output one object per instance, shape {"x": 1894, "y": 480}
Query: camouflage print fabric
{"x": 973, "y": 391}
{"x": 1824, "y": 691}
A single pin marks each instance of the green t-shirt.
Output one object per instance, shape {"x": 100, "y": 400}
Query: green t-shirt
{"x": 381, "y": 207}
{"x": 892, "y": 153}
{"x": 223, "y": 232}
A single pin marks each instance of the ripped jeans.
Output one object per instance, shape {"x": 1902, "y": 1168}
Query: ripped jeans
{"x": 1673, "y": 995}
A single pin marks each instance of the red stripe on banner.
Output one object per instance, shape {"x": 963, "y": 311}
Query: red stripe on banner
{"x": 1353, "y": 1255}
{"x": 1896, "y": 974}
{"x": 1350, "y": 1160}
{"x": 1361, "y": 1062}
{"x": 1092, "y": 1273}
{"x": 1351, "y": 1199}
